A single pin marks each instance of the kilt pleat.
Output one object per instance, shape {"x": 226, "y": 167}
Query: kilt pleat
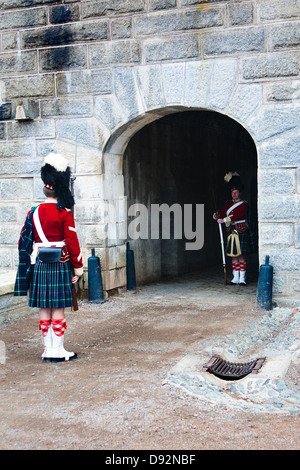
{"x": 51, "y": 285}
{"x": 244, "y": 242}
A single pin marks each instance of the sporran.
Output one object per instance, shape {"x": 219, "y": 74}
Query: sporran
{"x": 233, "y": 248}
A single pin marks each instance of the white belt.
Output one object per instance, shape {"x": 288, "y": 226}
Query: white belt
{"x": 228, "y": 224}
{"x": 36, "y": 247}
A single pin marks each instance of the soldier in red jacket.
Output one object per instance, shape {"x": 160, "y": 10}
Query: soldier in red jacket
{"x": 234, "y": 215}
{"x": 55, "y": 256}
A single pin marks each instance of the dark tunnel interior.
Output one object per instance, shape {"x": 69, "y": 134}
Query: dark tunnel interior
{"x": 182, "y": 159}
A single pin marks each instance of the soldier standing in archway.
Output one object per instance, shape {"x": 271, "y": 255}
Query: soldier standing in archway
{"x": 234, "y": 215}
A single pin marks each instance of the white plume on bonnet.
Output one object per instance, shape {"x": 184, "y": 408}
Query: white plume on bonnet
{"x": 57, "y": 161}
{"x": 229, "y": 175}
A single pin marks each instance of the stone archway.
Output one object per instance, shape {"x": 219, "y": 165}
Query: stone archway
{"x": 176, "y": 165}
{"x": 146, "y": 93}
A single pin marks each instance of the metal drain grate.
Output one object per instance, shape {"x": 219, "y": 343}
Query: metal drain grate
{"x": 232, "y": 370}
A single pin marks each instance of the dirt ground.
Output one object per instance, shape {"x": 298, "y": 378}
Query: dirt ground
{"x": 114, "y": 395}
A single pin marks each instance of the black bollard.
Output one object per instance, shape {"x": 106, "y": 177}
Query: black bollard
{"x": 95, "y": 286}
{"x": 130, "y": 268}
{"x": 265, "y": 285}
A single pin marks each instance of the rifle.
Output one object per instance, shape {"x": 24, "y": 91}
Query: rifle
{"x": 223, "y": 252}
{"x": 220, "y": 230}
{"x": 73, "y": 178}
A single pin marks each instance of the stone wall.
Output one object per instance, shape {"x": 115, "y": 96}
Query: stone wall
{"x": 101, "y": 70}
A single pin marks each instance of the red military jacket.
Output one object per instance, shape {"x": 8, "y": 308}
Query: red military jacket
{"x": 59, "y": 225}
{"x": 237, "y": 216}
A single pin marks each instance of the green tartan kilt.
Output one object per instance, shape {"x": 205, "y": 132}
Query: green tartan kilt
{"x": 51, "y": 285}
{"x": 244, "y": 238}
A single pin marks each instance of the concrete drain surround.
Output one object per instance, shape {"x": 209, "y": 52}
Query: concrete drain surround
{"x": 277, "y": 333}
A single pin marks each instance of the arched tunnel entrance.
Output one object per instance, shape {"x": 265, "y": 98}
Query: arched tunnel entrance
{"x": 181, "y": 159}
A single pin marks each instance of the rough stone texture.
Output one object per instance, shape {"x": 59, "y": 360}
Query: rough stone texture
{"x": 15, "y": 63}
{"x": 281, "y": 151}
{"x": 150, "y": 84}
{"x": 112, "y": 8}
{"x": 287, "y": 35}
{"x": 275, "y": 182}
{"x": 64, "y": 13}
{"x": 121, "y": 28}
{"x": 273, "y": 120}
{"x": 287, "y": 91}
{"x": 278, "y": 235}
{"x": 265, "y": 66}
{"x": 28, "y": 87}
{"x": 297, "y": 235}
{"x": 114, "y": 53}
{"x": 246, "y": 99}
{"x": 181, "y": 47}
{"x": 8, "y": 214}
{"x": 109, "y": 111}
{"x": 100, "y": 71}
{"x": 5, "y": 258}
{"x": 21, "y": 166}
{"x": 235, "y": 41}
{"x": 66, "y": 107}
{"x": 12, "y": 186}
{"x": 127, "y": 93}
{"x": 197, "y": 82}
{"x": 241, "y": 13}
{"x": 161, "y": 4}
{"x": 5, "y": 111}
{"x": 278, "y": 9}
{"x": 63, "y": 58}
{"x": 87, "y": 82}
{"x": 23, "y": 18}
{"x": 36, "y": 128}
{"x": 223, "y": 81}
{"x": 199, "y": 3}
{"x": 281, "y": 209}
{"x": 179, "y": 21}
{"x": 284, "y": 261}
{"x": 10, "y": 41}
{"x": 85, "y": 130}
{"x": 173, "y": 75}
{"x": 66, "y": 34}
{"x": 210, "y": 83}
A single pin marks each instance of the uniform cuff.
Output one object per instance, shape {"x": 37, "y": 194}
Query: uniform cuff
{"x": 78, "y": 271}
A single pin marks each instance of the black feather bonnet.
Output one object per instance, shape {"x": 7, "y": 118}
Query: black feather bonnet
{"x": 56, "y": 173}
{"x": 233, "y": 181}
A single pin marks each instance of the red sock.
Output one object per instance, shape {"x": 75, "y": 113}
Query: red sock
{"x": 243, "y": 266}
{"x": 235, "y": 266}
{"x": 59, "y": 326}
{"x": 44, "y": 326}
